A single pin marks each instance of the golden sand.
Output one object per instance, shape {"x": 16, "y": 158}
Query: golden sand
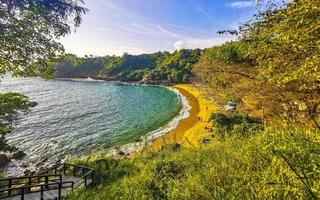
{"x": 190, "y": 131}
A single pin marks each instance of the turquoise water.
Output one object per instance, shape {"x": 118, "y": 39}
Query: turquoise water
{"x": 75, "y": 117}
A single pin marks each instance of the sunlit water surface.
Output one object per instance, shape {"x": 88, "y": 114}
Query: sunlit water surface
{"x": 75, "y": 117}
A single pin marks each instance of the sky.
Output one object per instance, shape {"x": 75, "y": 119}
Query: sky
{"x": 113, "y": 27}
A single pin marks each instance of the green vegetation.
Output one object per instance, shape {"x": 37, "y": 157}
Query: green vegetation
{"x": 236, "y": 124}
{"x": 278, "y": 53}
{"x": 29, "y": 30}
{"x": 230, "y": 53}
{"x": 11, "y": 105}
{"x": 285, "y": 44}
{"x": 272, "y": 164}
{"x": 269, "y": 150}
{"x": 160, "y": 67}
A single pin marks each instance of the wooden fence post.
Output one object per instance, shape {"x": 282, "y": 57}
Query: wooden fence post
{"x": 46, "y": 181}
{"x": 22, "y": 193}
{"x": 64, "y": 168}
{"x": 74, "y": 170}
{"x": 9, "y": 185}
{"x": 41, "y": 192}
{"x": 59, "y": 193}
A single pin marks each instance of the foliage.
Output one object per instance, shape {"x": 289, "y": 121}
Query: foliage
{"x": 176, "y": 67}
{"x": 285, "y": 44}
{"x": 274, "y": 64}
{"x": 157, "y": 67}
{"x": 274, "y": 164}
{"x": 28, "y": 33}
{"x": 231, "y": 53}
{"x": 11, "y": 105}
{"x": 238, "y": 124}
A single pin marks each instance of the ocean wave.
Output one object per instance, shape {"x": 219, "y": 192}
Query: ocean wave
{"x": 89, "y": 79}
{"x": 151, "y": 136}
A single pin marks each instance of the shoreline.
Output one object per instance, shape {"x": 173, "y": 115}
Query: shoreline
{"x": 129, "y": 147}
{"x": 191, "y": 130}
{"x": 187, "y": 128}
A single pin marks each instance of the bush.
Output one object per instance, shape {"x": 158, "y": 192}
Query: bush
{"x": 273, "y": 164}
{"x": 237, "y": 124}
{"x": 230, "y": 52}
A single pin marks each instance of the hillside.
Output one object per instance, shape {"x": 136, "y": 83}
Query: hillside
{"x": 160, "y": 67}
{"x": 267, "y": 149}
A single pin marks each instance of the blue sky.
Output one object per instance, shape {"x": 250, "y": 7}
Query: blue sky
{"x": 113, "y": 27}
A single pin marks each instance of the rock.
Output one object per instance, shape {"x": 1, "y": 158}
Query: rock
{"x": 4, "y": 160}
{"x": 138, "y": 140}
{"x": 18, "y": 155}
{"x": 121, "y": 153}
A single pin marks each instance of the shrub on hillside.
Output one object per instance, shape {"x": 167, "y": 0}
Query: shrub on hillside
{"x": 237, "y": 124}
{"x": 276, "y": 164}
{"x": 230, "y": 52}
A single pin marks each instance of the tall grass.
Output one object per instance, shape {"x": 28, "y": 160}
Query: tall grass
{"x": 272, "y": 164}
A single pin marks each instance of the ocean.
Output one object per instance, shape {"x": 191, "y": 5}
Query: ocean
{"x": 75, "y": 117}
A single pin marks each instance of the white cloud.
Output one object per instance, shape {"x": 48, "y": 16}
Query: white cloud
{"x": 180, "y": 45}
{"x": 242, "y": 4}
{"x": 201, "y": 43}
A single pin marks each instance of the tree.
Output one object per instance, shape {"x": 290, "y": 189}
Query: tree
{"x": 11, "y": 106}
{"x": 285, "y": 43}
{"x": 28, "y": 33}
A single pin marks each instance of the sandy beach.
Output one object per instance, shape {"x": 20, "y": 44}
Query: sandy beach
{"x": 191, "y": 131}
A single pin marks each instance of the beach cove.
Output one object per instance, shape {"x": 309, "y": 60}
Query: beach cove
{"x": 191, "y": 130}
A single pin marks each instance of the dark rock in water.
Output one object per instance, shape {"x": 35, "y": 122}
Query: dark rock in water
{"x": 121, "y": 153}
{"x": 4, "y": 160}
{"x": 138, "y": 140}
{"x": 18, "y": 155}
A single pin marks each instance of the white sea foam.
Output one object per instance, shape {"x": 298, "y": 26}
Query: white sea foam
{"x": 145, "y": 140}
{"x": 89, "y": 79}
{"x": 15, "y": 169}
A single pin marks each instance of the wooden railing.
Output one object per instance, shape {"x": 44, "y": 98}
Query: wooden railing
{"x": 36, "y": 188}
{"x": 82, "y": 172}
{"x": 49, "y": 179}
{"x": 29, "y": 180}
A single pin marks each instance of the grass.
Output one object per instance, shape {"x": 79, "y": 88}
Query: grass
{"x": 272, "y": 164}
